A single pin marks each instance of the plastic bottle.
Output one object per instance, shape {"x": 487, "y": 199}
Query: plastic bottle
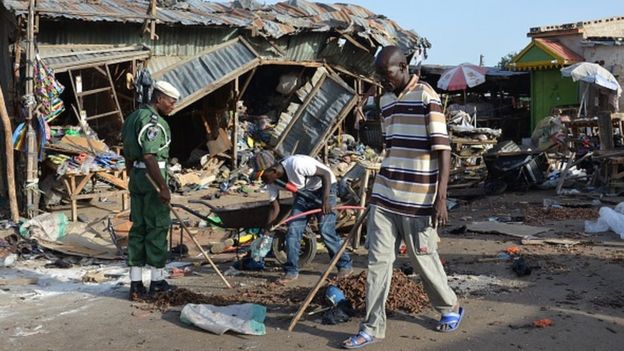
{"x": 261, "y": 247}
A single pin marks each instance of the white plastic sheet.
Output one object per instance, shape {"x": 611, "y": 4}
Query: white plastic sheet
{"x": 245, "y": 319}
{"x": 609, "y": 219}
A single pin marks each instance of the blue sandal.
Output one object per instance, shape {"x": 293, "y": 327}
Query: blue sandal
{"x": 451, "y": 320}
{"x": 352, "y": 342}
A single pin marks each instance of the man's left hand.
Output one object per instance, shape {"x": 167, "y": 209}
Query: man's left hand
{"x": 440, "y": 213}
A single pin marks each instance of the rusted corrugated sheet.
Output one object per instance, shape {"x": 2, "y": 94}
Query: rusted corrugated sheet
{"x": 202, "y": 74}
{"x": 305, "y": 46}
{"x": 273, "y": 21}
{"x": 61, "y": 58}
{"x": 329, "y": 103}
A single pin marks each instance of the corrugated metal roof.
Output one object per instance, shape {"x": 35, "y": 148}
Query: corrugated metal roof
{"x": 274, "y": 21}
{"x": 60, "y": 57}
{"x": 206, "y": 72}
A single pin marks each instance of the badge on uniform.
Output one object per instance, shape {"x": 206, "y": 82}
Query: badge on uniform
{"x": 152, "y": 133}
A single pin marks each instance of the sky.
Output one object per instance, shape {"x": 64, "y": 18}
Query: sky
{"x": 461, "y": 31}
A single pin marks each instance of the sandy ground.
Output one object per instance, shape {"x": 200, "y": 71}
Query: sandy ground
{"x": 579, "y": 288}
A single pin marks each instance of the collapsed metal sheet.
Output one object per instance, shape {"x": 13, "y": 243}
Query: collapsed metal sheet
{"x": 330, "y": 101}
{"x": 204, "y": 73}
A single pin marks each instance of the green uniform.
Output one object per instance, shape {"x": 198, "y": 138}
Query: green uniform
{"x": 145, "y": 132}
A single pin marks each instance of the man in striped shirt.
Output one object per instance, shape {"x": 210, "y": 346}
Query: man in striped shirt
{"x": 409, "y": 196}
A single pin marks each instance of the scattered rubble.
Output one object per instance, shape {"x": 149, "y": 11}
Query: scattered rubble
{"x": 405, "y": 295}
{"x": 538, "y": 215}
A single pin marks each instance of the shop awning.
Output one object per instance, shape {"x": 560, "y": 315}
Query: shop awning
{"x": 544, "y": 53}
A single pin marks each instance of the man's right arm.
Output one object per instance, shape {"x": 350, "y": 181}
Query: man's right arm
{"x": 273, "y": 212}
{"x": 129, "y": 165}
{"x": 151, "y": 164}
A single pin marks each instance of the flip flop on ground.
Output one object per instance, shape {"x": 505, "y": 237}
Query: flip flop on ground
{"x": 450, "y": 321}
{"x": 358, "y": 341}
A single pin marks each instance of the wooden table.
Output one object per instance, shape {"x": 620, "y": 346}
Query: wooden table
{"x": 76, "y": 183}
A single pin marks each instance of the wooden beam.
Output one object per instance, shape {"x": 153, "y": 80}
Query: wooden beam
{"x": 10, "y": 167}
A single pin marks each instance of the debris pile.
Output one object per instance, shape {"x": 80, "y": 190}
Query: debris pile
{"x": 405, "y": 294}
{"x": 267, "y": 295}
{"x": 541, "y": 215}
{"x": 468, "y": 144}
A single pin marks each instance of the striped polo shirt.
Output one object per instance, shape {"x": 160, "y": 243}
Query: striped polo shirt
{"x": 414, "y": 126}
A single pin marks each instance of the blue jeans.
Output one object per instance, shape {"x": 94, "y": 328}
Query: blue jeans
{"x": 327, "y": 226}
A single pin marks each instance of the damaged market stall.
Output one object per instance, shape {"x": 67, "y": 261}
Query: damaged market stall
{"x": 212, "y": 52}
{"x": 481, "y": 108}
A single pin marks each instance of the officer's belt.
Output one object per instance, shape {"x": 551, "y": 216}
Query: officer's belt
{"x": 138, "y": 164}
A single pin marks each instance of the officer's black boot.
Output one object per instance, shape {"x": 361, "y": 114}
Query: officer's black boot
{"x": 160, "y": 286}
{"x": 138, "y": 291}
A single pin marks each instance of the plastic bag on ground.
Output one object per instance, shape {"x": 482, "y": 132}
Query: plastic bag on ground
{"x": 245, "y": 318}
{"x": 609, "y": 219}
{"x": 47, "y": 227}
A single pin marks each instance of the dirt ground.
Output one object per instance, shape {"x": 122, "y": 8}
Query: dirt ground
{"x": 578, "y": 287}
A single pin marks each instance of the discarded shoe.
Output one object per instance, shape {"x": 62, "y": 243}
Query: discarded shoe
{"x": 60, "y": 263}
{"x": 335, "y": 316}
{"x": 160, "y": 286}
{"x": 137, "y": 291}
{"x": 521, "y": 267}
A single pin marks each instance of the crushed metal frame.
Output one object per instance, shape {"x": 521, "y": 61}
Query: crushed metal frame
{"x": 336, "y": 121}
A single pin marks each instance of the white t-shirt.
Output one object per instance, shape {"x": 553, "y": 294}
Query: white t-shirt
{"x": 300, "y": 170}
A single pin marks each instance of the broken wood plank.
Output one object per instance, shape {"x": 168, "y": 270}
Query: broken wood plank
{"x": 607, "y": 243}
{"x": 116, "y": 181}
{"x": 551, "y": 241}
{"x": 515, "y": 230}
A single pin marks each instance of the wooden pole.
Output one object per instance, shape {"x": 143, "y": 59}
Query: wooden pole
{"x": 10, "y": 167}
{"x": 363, "y": 192}
{"x": 333, "y": 262}
{"x": 153, "y": 35}
{"x": 31, "y": 136}
{"x": 188, "y": 232}
{"x": 235, "y": 125}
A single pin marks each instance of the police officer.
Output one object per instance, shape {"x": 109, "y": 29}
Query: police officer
{"x": 146, "y": 138}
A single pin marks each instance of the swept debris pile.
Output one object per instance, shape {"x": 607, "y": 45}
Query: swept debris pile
{"x": 405, "y": 294}
{"x": 268, "y": 295}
